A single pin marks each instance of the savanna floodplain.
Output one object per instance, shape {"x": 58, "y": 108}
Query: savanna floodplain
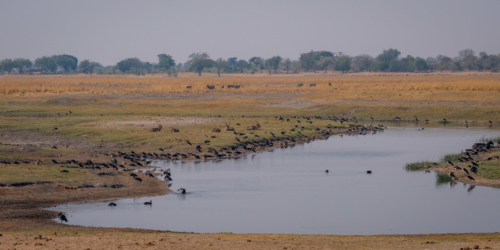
{"x": 48, "y": 121}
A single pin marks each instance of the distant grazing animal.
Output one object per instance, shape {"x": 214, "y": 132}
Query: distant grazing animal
{"x": 312, "y": 85}
{"x": 188, "y": 87}
{"x": 157, "y": 129}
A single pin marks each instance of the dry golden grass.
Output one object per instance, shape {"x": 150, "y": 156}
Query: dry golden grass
{"x": 353, "y": 85}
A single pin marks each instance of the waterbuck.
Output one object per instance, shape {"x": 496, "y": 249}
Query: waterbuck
{"x": 157, "y": 129}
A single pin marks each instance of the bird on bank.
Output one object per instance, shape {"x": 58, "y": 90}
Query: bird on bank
{"x": 62, "y": 217}
{"x": 471, "y": 178}
{"x": 465, "y": 170}
{"x": 450, "y": 163}
{"x": 452, "y": 175}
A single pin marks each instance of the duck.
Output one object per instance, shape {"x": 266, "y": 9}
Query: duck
{"x": 112, "y": 204}
{"x": 148, "y": 203}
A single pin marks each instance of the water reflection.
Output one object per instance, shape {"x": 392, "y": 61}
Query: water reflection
{"x": 288, "y": 191}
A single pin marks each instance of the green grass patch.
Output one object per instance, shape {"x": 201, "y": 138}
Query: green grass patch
{"x": 30, "y": 172}
{"x": 417, "y": 166}
{"x": 451, "y": 157}
{"x": 487, "y": 139}
{"x": 442, "y": 178}
{"x": 490, "y": 170}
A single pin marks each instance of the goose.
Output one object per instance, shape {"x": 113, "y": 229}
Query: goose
{"x": 181, "y": 191}
{"x": 470, "y": 178}
{"x": 452, "y": 175}
{"x": 148, "y": 203}
{"x": 326, "y": 171}
{"x": 112, "y": 204}
{"x": 369, "y": 172}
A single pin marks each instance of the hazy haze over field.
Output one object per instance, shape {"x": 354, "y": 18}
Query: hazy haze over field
{"x": 109, "y": 31}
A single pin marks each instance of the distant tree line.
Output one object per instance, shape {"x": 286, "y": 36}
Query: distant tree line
{"x": 388, "y": 61}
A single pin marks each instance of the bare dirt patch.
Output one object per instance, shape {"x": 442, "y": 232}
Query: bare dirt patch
{"x": 29, "y": 139}
{"x": 298, "y": 104}
{"x": 149, "y": 122}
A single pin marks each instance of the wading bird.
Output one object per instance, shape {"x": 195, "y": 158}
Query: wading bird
{"x": 62, "y": 217}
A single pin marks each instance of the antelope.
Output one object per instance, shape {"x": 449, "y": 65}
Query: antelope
{"x": 157, "y": 129}
{"x": 229, "y": 128}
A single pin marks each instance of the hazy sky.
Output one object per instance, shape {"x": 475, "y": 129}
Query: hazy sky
{"x": 109, "y": 31}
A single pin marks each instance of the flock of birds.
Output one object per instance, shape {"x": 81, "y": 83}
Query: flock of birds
{"x": 234, "y": 152}
{"x": 472, "y": 166}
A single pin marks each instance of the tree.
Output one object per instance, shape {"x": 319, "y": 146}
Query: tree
{"x": 220, "y": 64}
{"x": 287, "y": 64}
{"x": 148, "y": 67}
{"x": 241, "y": 64}
{"x": 67, "y": 62}
{"x": 469, "y": 62}
{"x": 129, "y": 63}
{"x": 343, "y": 63}
{"x": 464, "y": 54}
{"x": 84, "y": 66}
{"x": 165, "y": 62}
{"x": 231, "y": 64}
{"x": 308, "y": 60}
{"x": 387, "y": 57}
{"x": 88, "y": 67}
{"x": 21, "y": 64}
{"x": 363, "y": 63}
{"x": 325, "y": 62}
{"x": 199, "y": 61}
{"x": 7, "y": 65}
{"x": 420, "y": 64}
{"x": 257, "y": 61}
{"x": 273, "y": 63}
{"x": 47, "y": 64}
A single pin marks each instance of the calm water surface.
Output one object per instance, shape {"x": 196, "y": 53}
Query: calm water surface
{"x": 288, "y": 191}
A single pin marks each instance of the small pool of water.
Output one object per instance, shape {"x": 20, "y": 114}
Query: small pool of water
{"x": 288, "y": 191}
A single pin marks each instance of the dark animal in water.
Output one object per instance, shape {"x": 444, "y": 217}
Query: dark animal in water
{"x": 62, "y": 217}
{"x": 112, "y": 204}
{"x": 326, "y": 171}
{"x": 181, "y": 191}
{"x": 148, "y": 203}
{"x": 369, "y": 172}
